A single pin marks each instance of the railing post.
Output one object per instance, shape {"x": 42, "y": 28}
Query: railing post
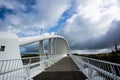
{"x": 90, "y": 73}
{"x": 28, "y": 70}
{"x": 106, "y": 73}
{"x": 113, "y": 71}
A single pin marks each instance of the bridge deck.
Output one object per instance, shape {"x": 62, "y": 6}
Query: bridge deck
{"x": 64, "y": 69}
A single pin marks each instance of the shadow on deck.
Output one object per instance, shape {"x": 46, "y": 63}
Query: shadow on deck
{"x": 65, "y": 69}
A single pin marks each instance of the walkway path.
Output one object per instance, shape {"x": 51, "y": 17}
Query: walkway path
{"x": 65, "y": 69}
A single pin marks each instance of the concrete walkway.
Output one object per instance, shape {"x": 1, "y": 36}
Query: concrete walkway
{"x": 65, "y": 69}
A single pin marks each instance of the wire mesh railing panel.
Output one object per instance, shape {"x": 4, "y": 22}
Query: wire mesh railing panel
{"x": 11, "y": 70}
{"x": 97, "y": 69}
{"x": 25, "y": 68}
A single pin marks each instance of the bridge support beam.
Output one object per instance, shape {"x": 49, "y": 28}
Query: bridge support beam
{"x": 54, "y": 47}
{"x": 41, "y": 51}
{"x": 49, "y": 47}
{"x": 57, "y": 46}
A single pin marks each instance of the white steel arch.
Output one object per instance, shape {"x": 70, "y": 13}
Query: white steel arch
{"x": 12, "y": 63}
{"x": 59, "y": 41}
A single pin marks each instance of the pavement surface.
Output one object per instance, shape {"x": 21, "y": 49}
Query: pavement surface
{"x": 65, "y": 69}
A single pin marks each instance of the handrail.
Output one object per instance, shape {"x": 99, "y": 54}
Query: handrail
{"x": 90, "y": 67}
{"x": 20, "y": 59}
{"x": 102, "y": 61}
{"x": 26, "y": 70}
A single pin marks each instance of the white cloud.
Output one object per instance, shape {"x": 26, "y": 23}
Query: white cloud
{"x": 43, "y": 14}
{"x": 92, "y": 20}
{"x": 50, "y": 11}
{"x": 12, "y": 4}
{"x": 93, "y": 51}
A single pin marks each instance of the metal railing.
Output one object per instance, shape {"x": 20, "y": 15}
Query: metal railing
{"x": 97, "y": 69}
{"x": 26, "y": 68}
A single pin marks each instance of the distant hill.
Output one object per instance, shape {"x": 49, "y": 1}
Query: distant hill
{"x": 29, "y": 55}
{"x": 111, "y": 57}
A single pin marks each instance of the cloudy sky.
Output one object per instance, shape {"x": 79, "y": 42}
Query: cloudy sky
{"x": 87, "y": 24}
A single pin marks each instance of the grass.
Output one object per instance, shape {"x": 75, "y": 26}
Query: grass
{"x": 111, "y": 57}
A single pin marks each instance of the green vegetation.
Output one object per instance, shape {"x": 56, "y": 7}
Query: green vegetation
{"x": 113, "y": 56}
{"x": 29, "y": 55}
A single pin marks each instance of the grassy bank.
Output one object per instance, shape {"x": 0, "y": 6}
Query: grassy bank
{"x": 111, "y": 57}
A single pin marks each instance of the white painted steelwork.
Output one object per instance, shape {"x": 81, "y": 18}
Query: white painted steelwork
{"x": 11, "y": 51}
{"x": 32, "y": 67}
{"x": 97, "y": 69}
{"x": 12, "y": 67}
{"x": 32, "y": 39}
{"x": 11, "y": 45}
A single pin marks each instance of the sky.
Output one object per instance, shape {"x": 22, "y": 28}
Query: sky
{"x": 87, "y": 24}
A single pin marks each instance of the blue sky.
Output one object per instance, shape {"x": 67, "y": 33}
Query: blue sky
{"x": 64, "y": 17}
{"x": 87, "y": 24}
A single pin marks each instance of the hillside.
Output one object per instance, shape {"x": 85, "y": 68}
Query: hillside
{"x": 113, "y": 56}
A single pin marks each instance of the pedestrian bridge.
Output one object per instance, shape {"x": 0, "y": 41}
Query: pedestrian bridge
{"x": 55, "y": 65}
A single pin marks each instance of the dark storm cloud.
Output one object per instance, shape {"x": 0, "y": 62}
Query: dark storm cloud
{"x": 108, "y": 40}
{"x": 112, "y": 37}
